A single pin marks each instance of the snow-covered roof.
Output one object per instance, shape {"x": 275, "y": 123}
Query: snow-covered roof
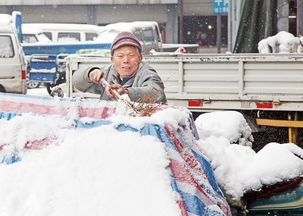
{"x": 6, "y": 23}
{"x": 5, "y": 19}
{"x": 26, "y": 30}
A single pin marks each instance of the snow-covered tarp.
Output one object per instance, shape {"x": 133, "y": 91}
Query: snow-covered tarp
{"x": 87, "y": 157}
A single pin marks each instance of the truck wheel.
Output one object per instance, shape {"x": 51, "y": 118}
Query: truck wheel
{"x": 2, "y": 89}
{"x": 32, "y": 84}
{"x": 57, "y": 92}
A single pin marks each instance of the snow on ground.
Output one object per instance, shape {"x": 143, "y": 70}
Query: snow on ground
{"x": 72, "y": 176}
{"x": 38, "y": 91}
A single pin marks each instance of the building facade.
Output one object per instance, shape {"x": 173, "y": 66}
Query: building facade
{"x": 181, "y": 21}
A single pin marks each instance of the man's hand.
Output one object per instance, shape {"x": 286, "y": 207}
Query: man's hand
{"x": 96, "y": 75}
{"x": 115, "y": 87}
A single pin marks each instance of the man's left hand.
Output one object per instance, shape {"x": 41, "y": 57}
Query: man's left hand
{"x": 115, "y": 87}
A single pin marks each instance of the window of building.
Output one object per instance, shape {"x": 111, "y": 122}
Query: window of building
{"x": 202, "y": 30}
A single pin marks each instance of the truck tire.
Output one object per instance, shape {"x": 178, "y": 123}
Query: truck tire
{"x": 57, "y": 92}
{"x": 32, "y": 84}
{"x": 2, "y": 89}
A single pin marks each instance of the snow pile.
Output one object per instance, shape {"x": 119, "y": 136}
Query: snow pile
{"x": 97, "y": 171}
{"x": 282, "y": 42}
{"x": 238, "y": 168}
{"x": 230, "y": 125}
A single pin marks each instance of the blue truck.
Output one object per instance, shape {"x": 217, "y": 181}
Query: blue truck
{"x": 45, "y": 60}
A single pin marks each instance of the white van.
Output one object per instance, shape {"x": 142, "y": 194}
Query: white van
{"x": 61, "y": 32}
{"x": 146, "y": 31}
{"x": 32, "y": 35}
{"x": 13, "y": 66}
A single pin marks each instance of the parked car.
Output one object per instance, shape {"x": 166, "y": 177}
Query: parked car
{"x": 147, "y": 32}
{"x": 13, "y": 66}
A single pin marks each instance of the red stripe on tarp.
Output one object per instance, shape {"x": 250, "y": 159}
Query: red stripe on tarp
{"x": 99, "y": 113}
{"x": 182, "y": 174}
{"x": 39, "y": 144}
{"x": 10, "y": 106}
{"x": 188, "y": 158}
{"x": 15, "y": 107}
{"x": 182, "y": 208}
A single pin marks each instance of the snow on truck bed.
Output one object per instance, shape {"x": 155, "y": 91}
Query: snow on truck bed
{"x": 87, "y": 157}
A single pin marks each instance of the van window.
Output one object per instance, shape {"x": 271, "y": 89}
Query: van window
{"x": 148, "y": 35}
{"x": 49, "y": 35}
{"x": 90, "y": 36}
{"x": 42, "y": 38}
{"x": 6, "y": 47}
{"x": 68, "y": 37}
{"x": 29, "y": 38}
{"x": 138, "y": 34}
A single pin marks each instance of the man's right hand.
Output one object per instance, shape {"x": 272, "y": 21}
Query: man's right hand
{"x": 96, "y": 75}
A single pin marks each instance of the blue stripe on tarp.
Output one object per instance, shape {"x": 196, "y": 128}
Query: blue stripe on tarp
{"x": 158, "y": 132}
{"x": 8, "y": 115}
{"x": 208, "y": 172}
{"x": 79, "y": 124}
{"x": 76, "y": 122}
{"x": 9, "y": 159}
{"x": 193, "y": 204}
{"x": 123, "y": 127}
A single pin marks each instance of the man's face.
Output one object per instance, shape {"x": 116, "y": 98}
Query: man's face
{"x": 126, "y": 60}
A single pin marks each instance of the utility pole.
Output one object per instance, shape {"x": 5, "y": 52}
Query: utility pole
{"x": 283, "y": 13}
{"x": 219, "y": 26}
{"x": 180, "y": 21}
{"x": 299, "y": 17}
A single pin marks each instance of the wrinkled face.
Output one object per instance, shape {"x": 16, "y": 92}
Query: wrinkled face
{"x": 126, "y": 60}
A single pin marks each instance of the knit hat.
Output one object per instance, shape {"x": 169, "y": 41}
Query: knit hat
{"x": 125, "y": 39}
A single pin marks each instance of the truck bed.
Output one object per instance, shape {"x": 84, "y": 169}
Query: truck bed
{"x": 220, "y": 82}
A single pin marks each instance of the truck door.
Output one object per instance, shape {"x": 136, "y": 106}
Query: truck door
{"x": 12, "y": 67}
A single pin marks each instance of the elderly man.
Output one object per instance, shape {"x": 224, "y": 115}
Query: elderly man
{"x": 127, "y": 74}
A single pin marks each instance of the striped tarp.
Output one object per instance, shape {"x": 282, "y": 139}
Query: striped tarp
{"x": 191, "y": 175}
